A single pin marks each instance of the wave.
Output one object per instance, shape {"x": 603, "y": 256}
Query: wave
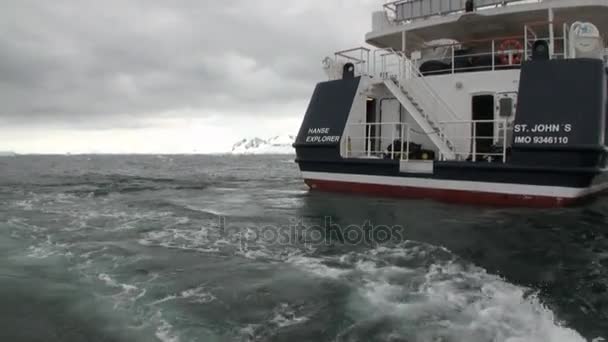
{"x": 92, "y": 184}
{"x": 197, "y": 295}
{"x": 125, "y": 299}
{"x": 127, "y": 294}
{"x": 420, "y": 292}
{"x": 165, "y": 333}
{"x": 47, "y": 249}
{"x": 286, "y": 316}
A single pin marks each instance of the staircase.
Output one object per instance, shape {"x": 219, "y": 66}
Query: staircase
{"x": 403, "y": 79}
{"x": 430, "y": 127}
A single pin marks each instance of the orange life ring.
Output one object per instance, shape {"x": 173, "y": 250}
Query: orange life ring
{"x": 513, "y": 47}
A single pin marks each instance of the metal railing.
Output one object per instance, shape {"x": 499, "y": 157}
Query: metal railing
{"x": 407, "y": 10}
{"x": 413, "y": 84}
{"x": 489, "y": 55}
{"x": 358, "y": 56}
{"x": 390, "y": 64}
{"x": 464, "y": 133}
{"x": 387, "y": 63}
{"x": 416, "y": 84}
{"x": 367, "y": 140}
{"x": 486, "y": 55}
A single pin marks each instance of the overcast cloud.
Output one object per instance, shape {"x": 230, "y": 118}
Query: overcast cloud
{"x": 143, "y": 64}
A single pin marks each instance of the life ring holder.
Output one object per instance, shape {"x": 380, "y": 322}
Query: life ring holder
{"x": 505, "y": 49}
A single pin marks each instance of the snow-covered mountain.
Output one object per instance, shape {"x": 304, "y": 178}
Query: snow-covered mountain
{"x": 280, "y": 144}
{"x": 7, "y": 154}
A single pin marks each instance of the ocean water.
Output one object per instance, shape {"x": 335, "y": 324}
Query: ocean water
{"x": 212, "y": 248}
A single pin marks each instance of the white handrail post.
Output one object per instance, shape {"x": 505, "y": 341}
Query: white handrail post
{"x": 400, "y": 63}
{"x": 384, "y": 72}
{"x": 504, "y": 142}
{"x": 407, "y": 153}
{"x": 361, "y": 61}
{"x": 392, "y": 144}
{"x": 375, "y": 64}
{"x": 369, "y": 140}
{"x": 453, "y": 59}
{"x": 493, "y": 55}
{"x": 525, "y": 42}
{"x": 343, "y": 143}
{"x": 566, "y": 49}
{"x": 474, "y": 141}
{"x": 402, "y": 140}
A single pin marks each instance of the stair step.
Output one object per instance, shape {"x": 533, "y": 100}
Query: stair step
{"x": 419, "y": 115}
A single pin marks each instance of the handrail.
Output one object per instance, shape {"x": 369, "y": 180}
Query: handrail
{"x": 437, "y": 7}
{"x": 359, "y": 56}
{"x": 412, "y": 82}
{"x": 467, "y": 151}
{"x": 470, "y": 140}
{"x": 403, "y": 136}
{"x": 368, "y": 62}
{"x": 387, "y": 52}
{"x": 353, "y": 49}
{"x": 492, "y": 51}
{"x": 416, "y": 72}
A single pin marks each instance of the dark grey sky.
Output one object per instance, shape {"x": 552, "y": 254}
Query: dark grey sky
{"x": 126, "y": 64}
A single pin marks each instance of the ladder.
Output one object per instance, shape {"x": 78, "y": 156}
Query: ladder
{"x": 430, "y": 126}
{"x": 405, "y": 81}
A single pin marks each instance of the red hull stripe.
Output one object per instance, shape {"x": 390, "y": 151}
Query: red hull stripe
{"x": 451, "y": 191}
{"x": 451, "y": 196}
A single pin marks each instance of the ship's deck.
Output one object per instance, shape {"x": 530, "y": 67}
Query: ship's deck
{"x": 505, "y": 21}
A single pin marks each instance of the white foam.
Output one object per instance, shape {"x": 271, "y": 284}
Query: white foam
{"x": 113, "y": 283}
{"x": 200, "y": 240}
{"x": 317, "y": 267}
{"x": 40, "y": 252}
{"x": 205, "y": 210}
{"x": 256, "y": 254}
{"x": 247, "y": 333}
{"x": 27, "y": 205}
{"x": 48, "y": 249}
{"x": 447, "y": 300}
{"x": 492, "y": 306}
{"x": 127, "y": 294}
{"x": 197, "y": 295}
{"x": 285, "y": 316}
{"x": 163, "y": 300}
{"x": 465, "y": 303}
{"x": 164, "y": 331}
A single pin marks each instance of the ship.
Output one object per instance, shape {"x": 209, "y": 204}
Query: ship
{"x": 483, "y": 102}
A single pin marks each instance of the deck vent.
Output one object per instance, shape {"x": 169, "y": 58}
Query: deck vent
{"x": 505, "y": 107}
{"x": 348, "y": 71}
{"x": 540, "y": 51}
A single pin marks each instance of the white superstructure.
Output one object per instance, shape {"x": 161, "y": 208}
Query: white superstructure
{"x": 444, "y": 74}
